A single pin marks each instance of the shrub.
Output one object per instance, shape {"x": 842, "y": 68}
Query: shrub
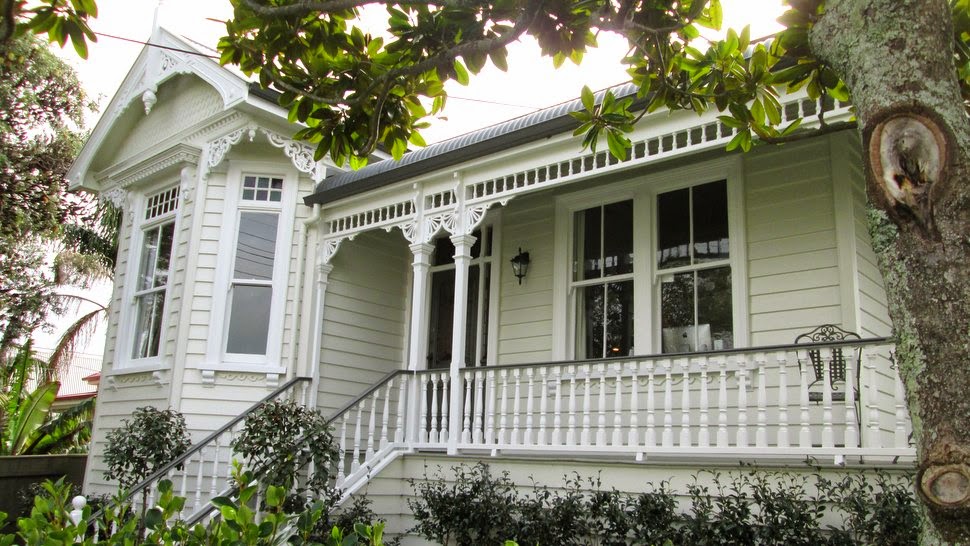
{"x": 756, "y": 508}
{"x": 141, "y": 446}
{"x": 237, "y": 523}
{"x": 280, "y": 440}
{"x": 477, "y": 508}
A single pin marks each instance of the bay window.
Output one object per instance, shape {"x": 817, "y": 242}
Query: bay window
{"x": 253, "y": 275}
{"x": 157, "y": 232}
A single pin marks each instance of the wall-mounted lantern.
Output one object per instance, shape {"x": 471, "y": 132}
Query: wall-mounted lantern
{"x": 520, "y": 265}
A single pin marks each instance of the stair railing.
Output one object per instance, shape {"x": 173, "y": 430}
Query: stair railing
{"x": 204, "y": 469}
{"x": 369, "y": 430}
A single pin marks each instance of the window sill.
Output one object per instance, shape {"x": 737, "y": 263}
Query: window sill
{"x": 141, "y": 374}
{"x": 273, "y": 374}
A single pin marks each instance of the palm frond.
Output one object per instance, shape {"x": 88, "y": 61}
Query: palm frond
{"x": 76, "y": 335}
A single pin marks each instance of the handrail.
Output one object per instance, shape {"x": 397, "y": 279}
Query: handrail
{"x": 370, "y": 390}
{"x": 695, "y": 354}
{"x": 199, "y": 446}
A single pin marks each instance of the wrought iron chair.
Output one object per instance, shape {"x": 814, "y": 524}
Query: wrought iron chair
{"x": 838, "y": 363}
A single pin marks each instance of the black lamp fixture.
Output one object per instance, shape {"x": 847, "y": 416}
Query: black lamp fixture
{"x": 520, "y": 265}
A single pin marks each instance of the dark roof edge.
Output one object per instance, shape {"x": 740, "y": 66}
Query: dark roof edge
{"x": 482, "y": 142}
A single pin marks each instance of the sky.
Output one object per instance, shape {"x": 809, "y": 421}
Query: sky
{"x": 492, "y": 96}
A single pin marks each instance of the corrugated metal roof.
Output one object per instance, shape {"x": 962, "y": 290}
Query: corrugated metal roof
{"x": 502, "y": 136}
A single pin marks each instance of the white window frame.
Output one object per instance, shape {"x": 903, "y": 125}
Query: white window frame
{"x": 128, "y": 315}
{"x": 643, "y": 190}
{"x": 217, "y": 356}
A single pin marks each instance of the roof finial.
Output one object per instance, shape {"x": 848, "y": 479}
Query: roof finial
{"x": 155, "y": 19}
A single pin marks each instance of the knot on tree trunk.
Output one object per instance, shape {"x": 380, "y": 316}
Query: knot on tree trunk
{"x": 943, "y": 481}
{"x": 908, "y": 153}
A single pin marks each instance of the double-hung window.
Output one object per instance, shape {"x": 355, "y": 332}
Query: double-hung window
{"x": 693, "y": 260}
{"x": 603, "y": 280}
{"x": 254, "y": 275}
{"x": 154, "y": 266}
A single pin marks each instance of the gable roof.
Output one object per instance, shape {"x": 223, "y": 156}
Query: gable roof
{"x": 514, "y": 132}
{"x": 167, "y": 56}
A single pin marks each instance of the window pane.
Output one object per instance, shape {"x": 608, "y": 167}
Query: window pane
{"x": 618, "y": 238}
{"x": 587, "y": 251}
{"x": 476, "y": 249}
{"x": 711, "y": 222}
{"x": 444, "y": 251}
{"x": 714, "y": 307}
{"x": 619, "y": 319}
{"x": 673, "y": 228}
{"x": 471, "y": 317}
{"x": 677, "y": 313}
{"x": 149, "y": 255}
{"x": 589, "y": 319}
{"x": 167, "y": 231}
{"x": 487, "y": 281}
{"x": 256, "y": 247}
{"x": 249, "y": 319}
{"x": 148, "y": 324}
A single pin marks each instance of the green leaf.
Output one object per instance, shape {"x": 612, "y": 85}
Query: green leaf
{"x": 153, "y": 518}
{"x": 417, "y": 139}
{"x": 29, "y": 415}
{"x": 588, "y": 99}
{"x": 275, "y": 496}
{"x": 618, "y": 144}
{"x": 461, "y": 74}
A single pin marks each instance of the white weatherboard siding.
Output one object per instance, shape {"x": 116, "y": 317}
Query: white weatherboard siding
{"x": 525, "y": 311}
{"x": 364, "y": 320}
{"x": 793, "y": 264}
{"x": 874, "y": 315}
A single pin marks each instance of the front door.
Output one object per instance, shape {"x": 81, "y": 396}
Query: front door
{"x": 440, "y": 327}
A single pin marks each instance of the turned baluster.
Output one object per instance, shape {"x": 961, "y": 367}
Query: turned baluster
{"x": 587, "y": 404}
{"x": 618, "y": 405}
{"x": 828, "y": 434}
{"x": 529, "y": 407}
{"x": 650, "y": 439}
{"x": 503, "y": 407}
{"x": 601, "y": 406}
{"x": 782, "y": 360}
{"x": 761, "y": 433}
{"x": 401, "y": 409}
{"x": 490, "y": 399}
{"x": 804, "y": 431}
{"x": 571, "y": 421}
{"x": 685, "y": 403}
{"x": 742, "y": 375}
{"x": 445, "y": 407}
{"x": 479, "y": 408}
{"x": 543, "y": 405}
{"x": 633, "y": 439}
{"x": 703, "y": 421}
{"x": 466, "y": 424}
{"x": 668, "y": 434}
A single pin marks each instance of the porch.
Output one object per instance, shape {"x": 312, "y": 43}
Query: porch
{"x": 753, "y": 405}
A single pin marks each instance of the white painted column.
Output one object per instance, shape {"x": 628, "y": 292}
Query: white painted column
{"x": 463, "y": 257}
{"x": 323, "y": 282}
{"x": 418, "y": 344}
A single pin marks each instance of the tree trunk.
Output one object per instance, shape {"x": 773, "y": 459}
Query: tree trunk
{"x": 896, "y": 57}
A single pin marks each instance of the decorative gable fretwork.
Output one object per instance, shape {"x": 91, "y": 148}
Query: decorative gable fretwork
{"x": 424, "y": 207}
{"x": 299, "y": 153}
